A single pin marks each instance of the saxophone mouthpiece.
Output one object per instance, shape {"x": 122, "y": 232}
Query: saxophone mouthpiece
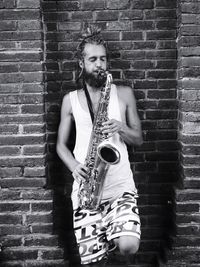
{"x": 102, "y": 72}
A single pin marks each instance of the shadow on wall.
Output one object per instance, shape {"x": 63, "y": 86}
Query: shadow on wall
{"x": 58, "y": 78}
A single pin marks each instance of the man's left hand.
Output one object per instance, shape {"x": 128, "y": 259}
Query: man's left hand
{"x": 111, "y": 127}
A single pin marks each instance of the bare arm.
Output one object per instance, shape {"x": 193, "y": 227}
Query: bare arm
{"x": 63, "y": 151}
{"x": 130, "y": 128}
{"x": 63, "y": 135}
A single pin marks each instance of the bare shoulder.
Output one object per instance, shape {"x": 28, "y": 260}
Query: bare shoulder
{"x": 126, "y": 94}
{"x": 66, "y": 105}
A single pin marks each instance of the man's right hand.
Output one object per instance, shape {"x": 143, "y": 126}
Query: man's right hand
{"x": 80, "y": 173}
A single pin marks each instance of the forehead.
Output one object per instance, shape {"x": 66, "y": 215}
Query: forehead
{"x": 94, "y": 50}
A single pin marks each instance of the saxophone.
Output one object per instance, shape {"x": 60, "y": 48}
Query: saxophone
{"x": 100, "y": 155}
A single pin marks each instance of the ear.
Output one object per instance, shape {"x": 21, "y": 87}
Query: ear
{"x": 81, "y": 64}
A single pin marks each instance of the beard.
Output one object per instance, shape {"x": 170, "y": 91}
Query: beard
{"x": 94, "y": 79}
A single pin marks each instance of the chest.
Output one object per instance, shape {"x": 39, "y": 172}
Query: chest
{"x": 116, "y": 107}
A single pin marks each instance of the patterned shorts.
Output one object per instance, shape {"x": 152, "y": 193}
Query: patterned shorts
{"x": 94, "y": 229}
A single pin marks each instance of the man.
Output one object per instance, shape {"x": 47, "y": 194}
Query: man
{"x": 116, "y": 223}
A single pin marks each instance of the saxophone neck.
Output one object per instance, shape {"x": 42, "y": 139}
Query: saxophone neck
{"x": 106, "y": 74}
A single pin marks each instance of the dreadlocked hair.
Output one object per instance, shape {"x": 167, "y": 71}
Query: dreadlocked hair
{"x": 92, "y": 35}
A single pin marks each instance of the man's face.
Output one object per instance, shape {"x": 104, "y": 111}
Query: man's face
{"x": 94, "y": 59}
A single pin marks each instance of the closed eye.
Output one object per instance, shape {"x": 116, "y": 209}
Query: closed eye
{"x": 92, "y": 59}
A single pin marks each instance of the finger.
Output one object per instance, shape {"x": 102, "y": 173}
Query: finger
{"x": 78, "y": 178}
{"x": 107, "y": 123}
{"x": 115, "y": 128}
{"x": 83, "y": 174}
{"x": 106, "y": 131}
{"x": 84, "y": 168}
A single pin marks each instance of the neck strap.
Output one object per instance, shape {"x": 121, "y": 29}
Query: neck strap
{"x": 89, "y": 102}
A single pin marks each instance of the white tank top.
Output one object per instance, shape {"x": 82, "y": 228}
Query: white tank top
{"x": 119, "y": 177}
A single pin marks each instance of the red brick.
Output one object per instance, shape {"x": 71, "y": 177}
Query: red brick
{"x": 161, "y": 14}
{"x": 19, "y": 254}
{"x": 10, "y": 172}
{"x": 146, "y": 4}
{"x": 41, "y": 240}
{"x": 33, "y": 128}
{"x": 23, "y": 183}
{"x": 145, "y": 84}
{"x": 32, "y": 172}
{"x": 10, "y": 219}
{"x": 107, "y": 15}
{"x": 69, "y": 26}
{"x": 32, "y": 109}
{"x": 164, "y": 94}
{"x": 165, "y": 4}
{"x": 167, "y": 44}
{"x": 161, "y": 114}
{"x": 11, "y": 241}
{"x": 190, "y": 8}
{"x": 91, "y": 4}
{"x": 29, "y": 25}
{"x": 68, "y": 5}
{"x": 115, "y": 4}
{"x": 52, "y": 254}
{"x": 7, "y": 4}
{"x": 134, "y": 74}
{"x": 25, "y": 161}
{"x": 144, "y": 25}
{"x": 42, "y": 228}
{"x": 41, "y": 206}
{"x": 8, "y": 67}
{"x": 78, "y": 15}
{"x": 6, "y": 194}
{"x": 161, "y": 34}
{"x": 14, "y": 230}
{"x": 42, "y": 194}
{"x": 22, "y": 119}
{"x": 21, "y": 140}
{"x": 144, "y": 45}
{"x": 38, "y": 218}
{"x": 130, "y": 35}
{"x": 30, "y": 67}
{"x": 14, "y": 207}
{"x": 19, "y": 14}
{"x": 131, "y": 14}
{"x": 143, "y": 64}
{"x": 161, "y": 54}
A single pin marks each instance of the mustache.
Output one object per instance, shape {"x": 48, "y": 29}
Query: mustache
{"x": 95, "y": 78}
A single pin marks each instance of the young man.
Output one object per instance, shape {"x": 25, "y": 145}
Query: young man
{"x": 116, "y": 223}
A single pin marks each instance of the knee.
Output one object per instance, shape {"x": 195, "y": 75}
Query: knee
{"x": 128, "y": 245}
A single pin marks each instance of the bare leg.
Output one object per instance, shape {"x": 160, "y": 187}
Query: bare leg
{"x": 128, "y": 246}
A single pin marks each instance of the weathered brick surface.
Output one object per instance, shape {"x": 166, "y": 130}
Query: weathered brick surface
{"x": 38, "y": 40}
{"x": 26, "y": 218}
{"x": 185, "y": 244}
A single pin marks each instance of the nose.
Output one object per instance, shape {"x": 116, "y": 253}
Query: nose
{"x": 98, "y": 63}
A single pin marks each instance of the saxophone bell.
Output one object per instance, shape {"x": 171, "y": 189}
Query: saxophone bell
{"x": 108, "y": 152}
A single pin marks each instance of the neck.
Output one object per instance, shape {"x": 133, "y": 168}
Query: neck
{"x": 93, "y": 89}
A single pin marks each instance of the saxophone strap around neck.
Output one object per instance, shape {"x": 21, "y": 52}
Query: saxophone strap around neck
{"x": 89, "y": 102}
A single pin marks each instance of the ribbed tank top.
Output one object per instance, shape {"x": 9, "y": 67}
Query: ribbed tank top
{"x": 119, "y": 177}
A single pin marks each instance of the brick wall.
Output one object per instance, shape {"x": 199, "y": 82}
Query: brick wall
{"x": 186, "y": 243}
{"x": 22, "y": 110}
{"x": 25, "y": 207}
{"x": 37, "y": 67}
